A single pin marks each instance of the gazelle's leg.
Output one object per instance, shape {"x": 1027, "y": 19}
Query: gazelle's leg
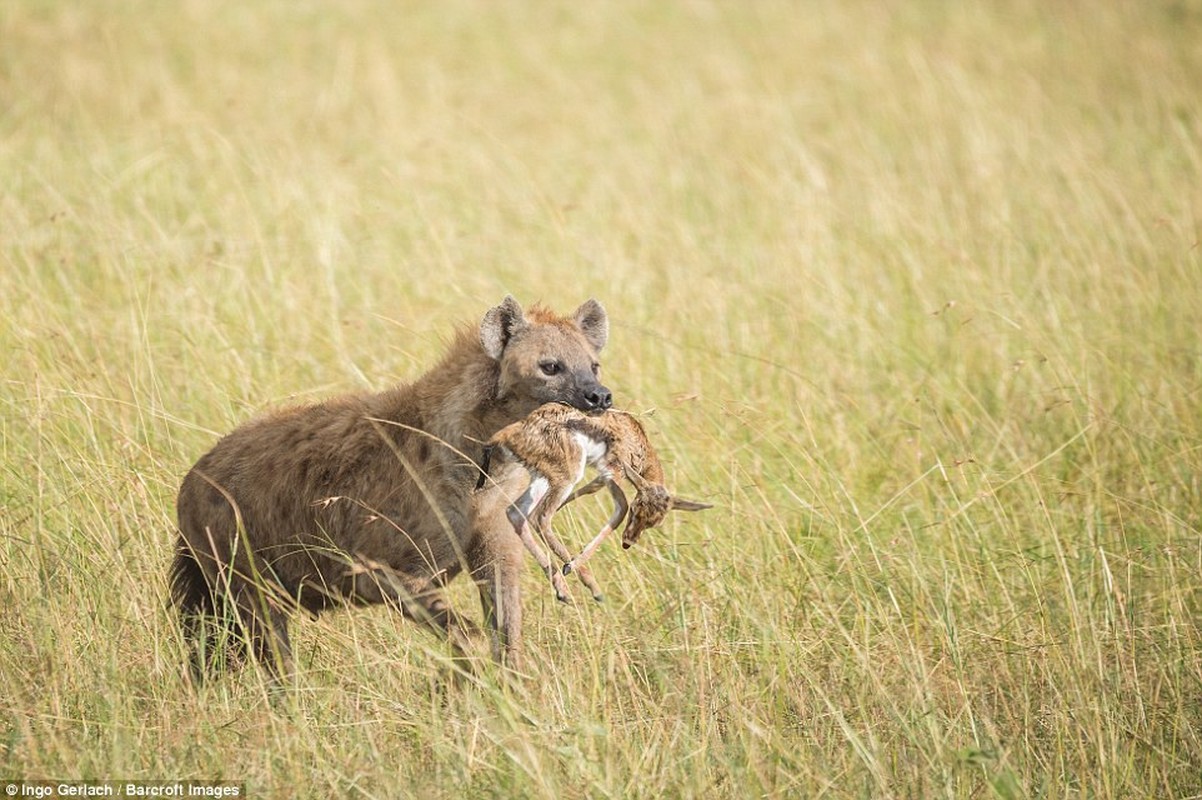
{"x": 582, "y": 572}
{"x": 521, "y": 515}
{"x": 586, "y": 577}
{"x": 592, "y": 486}
{"x": 541, "y": 519}
{"x": 544, "y": 527}
{"x": 620, "y": 508}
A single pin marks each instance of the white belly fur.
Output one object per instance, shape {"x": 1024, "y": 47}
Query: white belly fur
{"x": 591, "y": 452}
{"x": 538, "y": 487}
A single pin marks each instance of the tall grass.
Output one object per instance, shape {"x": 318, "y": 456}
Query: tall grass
{"x": 910, "y": 291}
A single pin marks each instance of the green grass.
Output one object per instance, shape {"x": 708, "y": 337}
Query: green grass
{"x": 913, "y": 290}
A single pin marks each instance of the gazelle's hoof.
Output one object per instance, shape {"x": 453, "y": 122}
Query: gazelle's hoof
{"x": 560, "y": 588}
{"x": 567, "y": 568}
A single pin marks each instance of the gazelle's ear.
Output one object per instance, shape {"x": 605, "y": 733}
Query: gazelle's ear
{"x": 680, "y": 504}
{"x": 499, "y": 325}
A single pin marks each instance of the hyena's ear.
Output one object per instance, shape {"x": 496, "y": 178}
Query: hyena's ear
{"x": 592, "y": 320}
{"x": 499, "y": 325}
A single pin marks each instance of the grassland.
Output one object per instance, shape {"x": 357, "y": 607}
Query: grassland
{"x": 912, "y": 290}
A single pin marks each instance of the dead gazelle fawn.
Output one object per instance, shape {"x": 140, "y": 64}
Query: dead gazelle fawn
{"x": 555, "y": 444}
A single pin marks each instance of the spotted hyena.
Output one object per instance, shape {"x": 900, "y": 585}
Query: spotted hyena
{"x": 364, "y": 498}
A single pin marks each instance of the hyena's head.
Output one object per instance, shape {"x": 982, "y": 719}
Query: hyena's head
{"x": 546, "y": 358}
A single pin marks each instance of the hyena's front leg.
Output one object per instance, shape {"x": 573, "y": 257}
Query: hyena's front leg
{"x": 497, "y": 559}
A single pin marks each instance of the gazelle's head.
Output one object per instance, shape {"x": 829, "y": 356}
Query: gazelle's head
{"x": 648, "y": 509}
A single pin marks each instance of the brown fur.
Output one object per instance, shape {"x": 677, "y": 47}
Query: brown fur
{"x": 554, "y": 444}
{"x": 364, "y": 499}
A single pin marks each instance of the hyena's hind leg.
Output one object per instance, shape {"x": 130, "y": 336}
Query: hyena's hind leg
{"x": 263, "y": 627}
{"x": 206, "y": 619}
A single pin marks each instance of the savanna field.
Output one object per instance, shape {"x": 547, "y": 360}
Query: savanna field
{"x": 910, "y": 291}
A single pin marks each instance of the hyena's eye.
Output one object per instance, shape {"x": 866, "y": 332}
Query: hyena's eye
{"x": 550, "y": 367}
{"x": 596, "y": 370}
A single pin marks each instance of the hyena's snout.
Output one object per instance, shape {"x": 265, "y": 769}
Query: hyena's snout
{"x": 586, "y": 393}
{"x": 595, "y": 398}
